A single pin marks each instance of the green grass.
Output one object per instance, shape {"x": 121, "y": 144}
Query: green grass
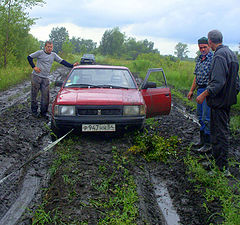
{"x": 237, "y": 106}
{"x": 180, "y": 96}
{"x": 215, "y": 187}
{"x": 14, "y": 75}
{"x": 120, "y": 205}
{"x": 235, "y": 124}
{"x": 43, "y": 217}
{"x": 154, "y": 147}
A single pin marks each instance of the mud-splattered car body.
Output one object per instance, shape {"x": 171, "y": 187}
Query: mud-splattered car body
{"x": 106, "y": 98}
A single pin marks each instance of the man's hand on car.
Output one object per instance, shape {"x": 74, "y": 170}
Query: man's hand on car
{"x": 76, "y": 63}
{"x": 37, "y": 70}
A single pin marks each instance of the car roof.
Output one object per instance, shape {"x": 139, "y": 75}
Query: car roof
{"x": 100, "y": 67}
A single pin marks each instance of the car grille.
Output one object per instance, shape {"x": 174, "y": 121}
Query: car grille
{"x": 99, "y": 110}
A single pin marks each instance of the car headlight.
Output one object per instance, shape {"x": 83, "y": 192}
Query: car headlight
{"x": 134, "y": 110}
{"x": 64, "y": 110}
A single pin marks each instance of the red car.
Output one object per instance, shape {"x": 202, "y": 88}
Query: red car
{"x": 96, "y": 98}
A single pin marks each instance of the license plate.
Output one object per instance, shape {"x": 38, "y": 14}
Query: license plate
{"x": 98, "y": 127}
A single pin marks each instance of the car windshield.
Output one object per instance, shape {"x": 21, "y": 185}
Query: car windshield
{"x": 100, "y": 78}
{"x": 88, "y": 56}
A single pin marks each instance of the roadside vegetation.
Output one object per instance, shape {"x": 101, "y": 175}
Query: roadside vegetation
{"x": 214, "y": 186}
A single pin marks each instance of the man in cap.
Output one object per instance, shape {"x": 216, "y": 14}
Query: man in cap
{"x": 200, "y": 81}
{"x": 221, "y": 94}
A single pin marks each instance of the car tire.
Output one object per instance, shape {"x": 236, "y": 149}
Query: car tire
{"x": 55, "y": 132}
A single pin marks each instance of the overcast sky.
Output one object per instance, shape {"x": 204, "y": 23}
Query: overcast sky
{"x": 164, "y": 22}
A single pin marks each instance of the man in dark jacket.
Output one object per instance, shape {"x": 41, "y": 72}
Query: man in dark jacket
{"x": 221, "y": 93}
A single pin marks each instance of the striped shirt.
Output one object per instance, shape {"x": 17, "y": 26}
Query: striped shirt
{"x": 44, "y": 62}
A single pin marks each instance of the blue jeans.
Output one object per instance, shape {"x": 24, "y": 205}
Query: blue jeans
{"x": 203, "y": 113}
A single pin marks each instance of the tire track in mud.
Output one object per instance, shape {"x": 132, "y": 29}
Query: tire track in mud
{"x": 17, "y": 94}
{"x": 18, "y": 145}
{"x": 21, "y": 137}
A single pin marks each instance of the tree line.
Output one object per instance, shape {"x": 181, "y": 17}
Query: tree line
{"x": 113, "y": 43}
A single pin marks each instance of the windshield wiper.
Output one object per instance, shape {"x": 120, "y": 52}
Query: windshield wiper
{"x": 83, "y": 85}
{"x": 112, "y": 86}
{"x": 95, "y": 86}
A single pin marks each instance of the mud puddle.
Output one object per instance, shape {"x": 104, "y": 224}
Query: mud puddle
{"x": 165, "y": 202}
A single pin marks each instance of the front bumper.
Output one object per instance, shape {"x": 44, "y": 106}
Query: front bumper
{"x": 121, "y": 122}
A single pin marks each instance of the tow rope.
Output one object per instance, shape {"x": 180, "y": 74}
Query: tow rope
{"x": 35, "y": 156}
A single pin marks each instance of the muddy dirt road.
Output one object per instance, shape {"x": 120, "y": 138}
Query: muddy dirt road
{"x": 22, "y": 136}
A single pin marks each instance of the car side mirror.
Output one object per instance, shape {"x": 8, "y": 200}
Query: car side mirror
{"x": 149, "y": 85}
{"x": 58, "y": 83}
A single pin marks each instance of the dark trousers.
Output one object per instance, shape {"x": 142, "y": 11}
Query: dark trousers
{"x": 219, "y": 125}
{"x": 42, "y": 84}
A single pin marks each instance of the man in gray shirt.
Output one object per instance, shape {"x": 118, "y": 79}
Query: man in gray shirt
{"x": 41, "y": 72}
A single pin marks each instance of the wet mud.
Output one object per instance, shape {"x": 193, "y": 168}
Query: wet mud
{"x": 22, "y": 136}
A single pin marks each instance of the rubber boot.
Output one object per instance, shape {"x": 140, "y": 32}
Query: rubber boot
{"x": 201, "y": 142}
{"x": 207, "y": 145}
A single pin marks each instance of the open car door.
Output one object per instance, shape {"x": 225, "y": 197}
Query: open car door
{"x": 157, "y": 99}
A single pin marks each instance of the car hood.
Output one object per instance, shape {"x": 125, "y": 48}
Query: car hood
{"x": 99, "y": 96}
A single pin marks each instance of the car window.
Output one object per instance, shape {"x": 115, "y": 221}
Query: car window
{"x": 89, "y": 56}
{"x": 158, "y": 78}
{"x": 100, "y": 77}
